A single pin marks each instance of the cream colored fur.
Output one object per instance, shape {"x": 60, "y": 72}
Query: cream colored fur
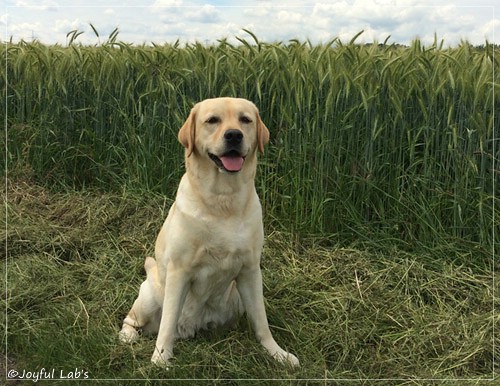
{"x": 206, "y": 269}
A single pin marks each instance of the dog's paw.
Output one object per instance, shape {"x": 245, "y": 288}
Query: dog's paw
{"x": 287, "y": 358}
{"x": 292, "y": 360}
{"x": 160, "y": 359}
{"x": 128, "y": 334}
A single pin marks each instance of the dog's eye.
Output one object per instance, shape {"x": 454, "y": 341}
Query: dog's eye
{"x": 244, "y": 119}
{"x": 213, "y": 120}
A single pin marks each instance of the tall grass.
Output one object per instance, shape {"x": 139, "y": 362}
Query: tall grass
{"x": 366, "y": 141}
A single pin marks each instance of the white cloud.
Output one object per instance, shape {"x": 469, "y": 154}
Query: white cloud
{"x": 161, "y": 6}
{"x": 290, "y": 17}
{"x": 210, "y": 20}
{"x": 206, "y": 14}
{"x": 40, "y": 5}
{"x": 4, "y": 19}
{"x": 404, "y": 21}
{"x": 63, "y": 26}
{"x": 487, "y": 30}
{"x": 258, "y": 11}
{"x": 166, "y": 3}
{"x": 25, "y": 31}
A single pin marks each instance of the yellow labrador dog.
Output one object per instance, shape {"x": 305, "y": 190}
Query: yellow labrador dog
{"x": 207, "y": 266}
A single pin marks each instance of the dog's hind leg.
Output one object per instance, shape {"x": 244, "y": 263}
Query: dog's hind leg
{"x": 145, "y": 311}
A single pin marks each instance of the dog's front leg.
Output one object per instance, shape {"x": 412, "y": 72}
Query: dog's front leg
{"x": 176, "y": 288}
{"x": 249, "y": 284}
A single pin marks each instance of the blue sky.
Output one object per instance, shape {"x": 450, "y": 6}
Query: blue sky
{"x": 206, "y": 21}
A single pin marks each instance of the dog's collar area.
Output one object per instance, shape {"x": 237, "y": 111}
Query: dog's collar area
{"x": 231, "y": 162}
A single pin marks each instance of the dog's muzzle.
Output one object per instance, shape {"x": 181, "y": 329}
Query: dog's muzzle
{"x": 232, "y": 159}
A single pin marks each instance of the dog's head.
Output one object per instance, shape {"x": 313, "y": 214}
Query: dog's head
{"x": 225, "y": 131}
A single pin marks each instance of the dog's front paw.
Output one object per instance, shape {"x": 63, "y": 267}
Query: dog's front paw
{"x": 161, "y": 359}
{"x": 288, "y": 358}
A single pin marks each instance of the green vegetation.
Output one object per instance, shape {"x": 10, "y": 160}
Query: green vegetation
{"x": 365, "y": 139}
{"x": 378, "y": 190}
{"x": 75, "y": 266}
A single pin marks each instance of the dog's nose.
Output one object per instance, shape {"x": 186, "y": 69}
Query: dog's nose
{"x": 233, "y": 137}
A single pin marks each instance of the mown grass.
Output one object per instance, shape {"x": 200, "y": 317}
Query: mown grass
{"x": 74, "y": 264}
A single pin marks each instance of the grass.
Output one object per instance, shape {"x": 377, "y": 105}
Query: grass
{"x": 378, "y": 141}
{"x": 74, "y": 264}
{"x": 378, "y": 187}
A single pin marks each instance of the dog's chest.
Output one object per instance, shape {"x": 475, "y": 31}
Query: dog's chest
{"x": 215, "y": 269}
{"x": 223, "y": 251}
{"x": 226, "y": 239}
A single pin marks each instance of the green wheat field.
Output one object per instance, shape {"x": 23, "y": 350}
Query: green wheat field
{"x": 379, "y": 190}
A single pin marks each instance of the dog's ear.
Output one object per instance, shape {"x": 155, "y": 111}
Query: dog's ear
{"x": 262, "y": 134}
{"x": 186, "y": 132}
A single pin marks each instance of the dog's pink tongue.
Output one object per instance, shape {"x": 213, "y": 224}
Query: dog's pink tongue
{"x": 233, "y": 164}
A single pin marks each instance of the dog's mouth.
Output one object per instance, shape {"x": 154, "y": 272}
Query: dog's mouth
{"x": 231, "y": 162}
